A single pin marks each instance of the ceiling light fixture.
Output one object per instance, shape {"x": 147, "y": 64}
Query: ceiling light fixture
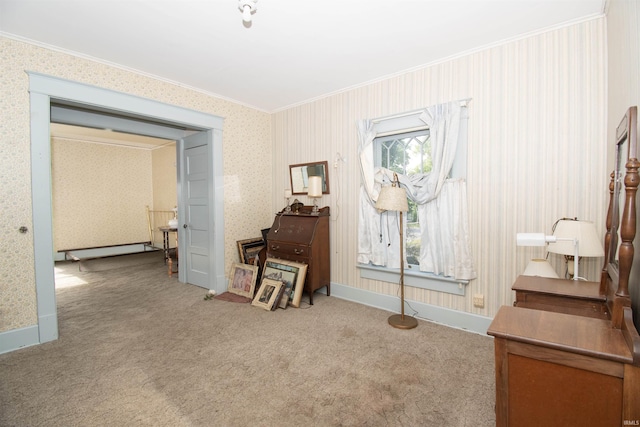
{"x": 247, "y": 7}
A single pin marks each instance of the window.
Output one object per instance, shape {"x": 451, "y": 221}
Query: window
{"x": 437, "y": 248}
{"x": 406, "y": 153}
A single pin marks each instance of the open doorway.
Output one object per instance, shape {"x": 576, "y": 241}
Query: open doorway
{"x": 113, "y": 194}
{"x": 161, "y": 120}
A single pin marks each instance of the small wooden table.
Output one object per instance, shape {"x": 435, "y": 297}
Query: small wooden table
{"x": 577, "y": 297}
{"x": 166, "y": 246}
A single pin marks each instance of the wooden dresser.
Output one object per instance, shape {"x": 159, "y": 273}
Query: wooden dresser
{"x": 304, "y": 238}
{"x": 568, "y": 352}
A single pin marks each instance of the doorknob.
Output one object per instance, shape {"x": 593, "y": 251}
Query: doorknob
{"x": 184, "y": 225}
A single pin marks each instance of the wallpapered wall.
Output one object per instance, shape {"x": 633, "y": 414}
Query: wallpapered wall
{"x": 247, "y": 136}
{"x": 164, "y": 178}
{"x": 536, "y": 151}
{"x": 99, "y": 194}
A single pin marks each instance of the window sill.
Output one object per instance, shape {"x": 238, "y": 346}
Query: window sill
{"x": 415, "y": 279}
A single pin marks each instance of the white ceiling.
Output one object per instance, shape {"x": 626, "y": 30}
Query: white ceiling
{"x": 294, "y": 51}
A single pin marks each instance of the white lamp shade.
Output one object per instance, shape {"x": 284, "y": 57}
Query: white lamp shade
{"x": 584, "y": 231}
{"x": 392, "y": 198}
{"x": 540, "y": 267}
{"x": 315, "y": 186}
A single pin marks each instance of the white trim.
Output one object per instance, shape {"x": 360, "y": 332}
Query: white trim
{"x": 42, "y": 90}
{"x": 414, "y": 279}
{"x": 67, "y": 90}
{"x": 453, "y": 318}
{"x": 16, "y": 339}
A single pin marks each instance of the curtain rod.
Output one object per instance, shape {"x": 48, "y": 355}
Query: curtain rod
{"x": 463, "y": 103}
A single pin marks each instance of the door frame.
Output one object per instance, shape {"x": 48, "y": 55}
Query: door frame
{"x": 43, "y": 90}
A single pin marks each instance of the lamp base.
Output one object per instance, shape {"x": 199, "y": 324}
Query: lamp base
{"x": 406, "y": 322}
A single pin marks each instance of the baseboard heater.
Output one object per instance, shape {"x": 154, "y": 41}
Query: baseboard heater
{"x": 81, "y": 254}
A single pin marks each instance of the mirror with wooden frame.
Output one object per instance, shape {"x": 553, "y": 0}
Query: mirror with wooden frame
{"x": 299, "y": 175}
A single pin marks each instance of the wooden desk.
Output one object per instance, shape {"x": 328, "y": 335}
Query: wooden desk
{"x": 303, "y": 237}
{"x": 555, "y": 369}
{"x": 561, "y": 295}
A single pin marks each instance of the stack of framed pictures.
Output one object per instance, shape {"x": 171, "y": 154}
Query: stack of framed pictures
{"x": 289, "y": 275}
{"x": 249, "y": 249}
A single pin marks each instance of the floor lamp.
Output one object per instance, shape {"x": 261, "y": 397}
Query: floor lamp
{"x": 394, "y": 198}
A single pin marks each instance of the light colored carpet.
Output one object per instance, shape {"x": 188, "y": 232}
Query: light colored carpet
{"x": 137, "y": 348}
{"x": 120, "y": 261}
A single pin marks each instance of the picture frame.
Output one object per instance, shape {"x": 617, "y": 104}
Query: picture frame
{"x": 264, "y": 233}
{"x": 242, "y": 279}
{"x": 248, "y": 249}
{"x": 267, "y": 294}
{"x": 292, "y": 274}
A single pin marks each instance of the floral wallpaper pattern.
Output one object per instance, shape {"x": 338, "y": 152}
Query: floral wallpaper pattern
{"x": 246, "y": 150}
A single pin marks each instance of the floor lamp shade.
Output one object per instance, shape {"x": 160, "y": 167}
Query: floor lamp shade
{"x": 394, "y": 198}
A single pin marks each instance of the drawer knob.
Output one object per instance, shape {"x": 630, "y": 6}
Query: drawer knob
{"x": 298, "y": 251}
{"x": 275, "y": 247}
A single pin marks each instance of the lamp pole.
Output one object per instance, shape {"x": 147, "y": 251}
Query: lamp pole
{"x": 400, "y": 321}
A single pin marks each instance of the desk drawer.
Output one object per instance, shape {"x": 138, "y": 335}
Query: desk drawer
{"x": 562, "y": 304}
{"x": 288, "y": 249}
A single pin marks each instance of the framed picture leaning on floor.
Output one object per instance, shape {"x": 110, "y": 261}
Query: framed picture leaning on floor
{"x": 242, "y": 279}
{"x": 267, "y": 294}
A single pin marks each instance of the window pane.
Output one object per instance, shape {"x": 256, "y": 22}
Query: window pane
{"x": 412, "y": 237}
{"x": 407, "y": 154}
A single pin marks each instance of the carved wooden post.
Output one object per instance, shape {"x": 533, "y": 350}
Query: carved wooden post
{"x": 608, "y": 237}
{"x": 627, "y": 234}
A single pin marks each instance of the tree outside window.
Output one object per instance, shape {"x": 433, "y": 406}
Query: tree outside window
{"x": 407, "y": 154}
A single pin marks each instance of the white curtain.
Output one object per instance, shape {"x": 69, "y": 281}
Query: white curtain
{"x": 442, "y": 210}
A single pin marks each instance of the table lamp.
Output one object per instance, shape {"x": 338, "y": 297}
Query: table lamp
{"x": 587, "y": 243}
{"x": 315, "y": 191}
{"x": 540, "y": 267}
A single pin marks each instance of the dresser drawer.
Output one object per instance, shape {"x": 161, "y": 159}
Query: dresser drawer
{"x": 288, "y": 249}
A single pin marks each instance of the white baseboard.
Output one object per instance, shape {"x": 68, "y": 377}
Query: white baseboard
{"x": 16, "y": 339}
{"x": 453, "y": 318}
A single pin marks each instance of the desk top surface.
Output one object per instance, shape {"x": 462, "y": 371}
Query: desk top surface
{"x": 579, "y": 289}
{"x": 566, "y": 332}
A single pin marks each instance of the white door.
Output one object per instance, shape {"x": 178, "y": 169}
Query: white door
{"x": 196, "y": 220}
